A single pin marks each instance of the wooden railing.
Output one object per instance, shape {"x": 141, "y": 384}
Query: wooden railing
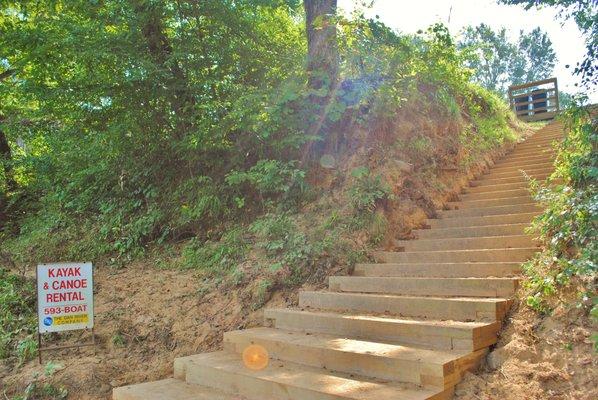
{"x": 535, "y": 101}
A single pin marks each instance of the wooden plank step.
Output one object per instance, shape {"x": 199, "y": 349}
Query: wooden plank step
{"x": 169, "y": 389}
{"x": 533, "y": 151}
{"x": 528, "y": 207}
{"x": 282, "y": 380}
{"x": 435, "y": 334}
{"x": 515, "y": 172}
{"x": 487, "y": 220}
{"x": 484, "y": 255}
{"x": 524, "y": 166}
{"x": 503, "y": 194}
{"x": 467, "y": 243}
{"x": 458, "y": 309}
{"x": 440, "y": 270}
{"x": 454, "y": 287}
{"x": 485, "y": 203}
{"x": 502, "y": 184}
{"x": 424, "y": 367}
{"x": 506, "y": 162}
{"x": 473, "y": 231}
{"x": 544, "y": 144}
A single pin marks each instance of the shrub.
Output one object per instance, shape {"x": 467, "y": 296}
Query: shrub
{"x": 17, "y": 316}
{"x": 569, "y": 225}
{"x": 367, "y": 191}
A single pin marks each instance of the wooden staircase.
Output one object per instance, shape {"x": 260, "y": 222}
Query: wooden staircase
{"x": 407, "y": 327}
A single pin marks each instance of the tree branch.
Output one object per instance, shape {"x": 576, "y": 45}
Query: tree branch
{"x": 7, "y": 73}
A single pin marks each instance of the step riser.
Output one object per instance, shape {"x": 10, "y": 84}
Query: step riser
{"x": 550, "y": 155}
{"x": 523, "y": 166}
{"x": 519, "y": 172}
{"x": 481, "y": 212}
{"x": 522, "y": 153}
{"x": 431, "y": 336}
{"x": 483, "y": 231}
{"x": 484, "y": 203}
{"x": 349, "y": 362}
{"x": 495, "y": 242}
{"x": 406, "y": 306}
{"x": 503, "y": 255}
{"x": 523, "y": 162}
{"x": 543, "y": 145}
{"x": 498, "y": 185}
{"x": 455, "y": 270}
{"x": 486, "y": 179}
{"x": 425, "y": 287}
{"x": 499, "y": 219}
{"x": 495, "y": 195}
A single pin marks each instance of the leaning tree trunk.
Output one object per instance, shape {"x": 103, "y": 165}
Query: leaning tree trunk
{"x": 322, "y": 56}
{"x": 322, "y": 66}
{"x": 161, "y": 51}
{"x": 6, "y": 159}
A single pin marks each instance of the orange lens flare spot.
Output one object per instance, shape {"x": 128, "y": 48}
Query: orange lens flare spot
{"x": 255, "y": 357}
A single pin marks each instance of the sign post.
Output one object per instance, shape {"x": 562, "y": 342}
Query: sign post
{"x": 64, "y": 300}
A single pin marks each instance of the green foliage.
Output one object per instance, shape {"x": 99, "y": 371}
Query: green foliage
{"x": 498, "y": 63}
{"x": 26, "y": 349}
{"x": 367, "y": 190}
{"x": 40, "y": 390}
{"x": 585, "y": 15}
{"x": 270, "y": 179}
{"x": 216, "y": 257}
{"x": 569, "y": 226}
{"x": 17, "y": 317}
{"x": 135, "y": 134}
{"x": 284, "y": 244}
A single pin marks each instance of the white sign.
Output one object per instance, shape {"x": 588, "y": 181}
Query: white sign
{"x": 64, "y": 297}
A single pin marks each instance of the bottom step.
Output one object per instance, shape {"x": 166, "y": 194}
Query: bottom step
{"x": 169, "y": 389}
{"x": 288, "y": 381}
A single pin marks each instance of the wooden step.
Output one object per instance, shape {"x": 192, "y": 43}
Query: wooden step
{"x": 467, "y": 243}
{"x": 522, "y": 157}
{"x": 533, "y": 151}
{"x": 544, "y": 144}
{"x": 169, "y": 389}
{"x": 450, "y": 256}
{"x": 503, "y": 194}
{"x": 473, "y": 231}
{"x": 486, "y": 203}
{"x": 466, "y": 287}
{"x": 503, "y": 184}
{"x": 458, "y": 309}
{"x": 496, "y": 210}
{"x": 423, "y": 367}
{"x": 435, "y": 334}
{"x": 523, "y": 162}
{"x": 440, "y": 270}
{"x": 283, "y": 380}
{"x": 548, "y": 164}
{"x": 515, "y": 172}
{"x": 487, "y": 220}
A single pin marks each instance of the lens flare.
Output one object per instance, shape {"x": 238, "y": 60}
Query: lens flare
{"x": 255, "y": 357}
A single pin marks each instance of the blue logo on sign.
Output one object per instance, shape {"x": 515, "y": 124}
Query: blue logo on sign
{"x": 48, "y": 321}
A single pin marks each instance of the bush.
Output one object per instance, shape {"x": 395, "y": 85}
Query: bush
{"x": 569, "y": 225}
{"x": 17, "y": 316}
{"x": 367, "y": 191}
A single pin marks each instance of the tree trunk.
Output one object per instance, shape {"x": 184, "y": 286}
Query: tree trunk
{"x": 160, "y": 49}
{"x": 322, "y": 69}
{"x": 6, "y": 159}
{"x": 322, "y": 55}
